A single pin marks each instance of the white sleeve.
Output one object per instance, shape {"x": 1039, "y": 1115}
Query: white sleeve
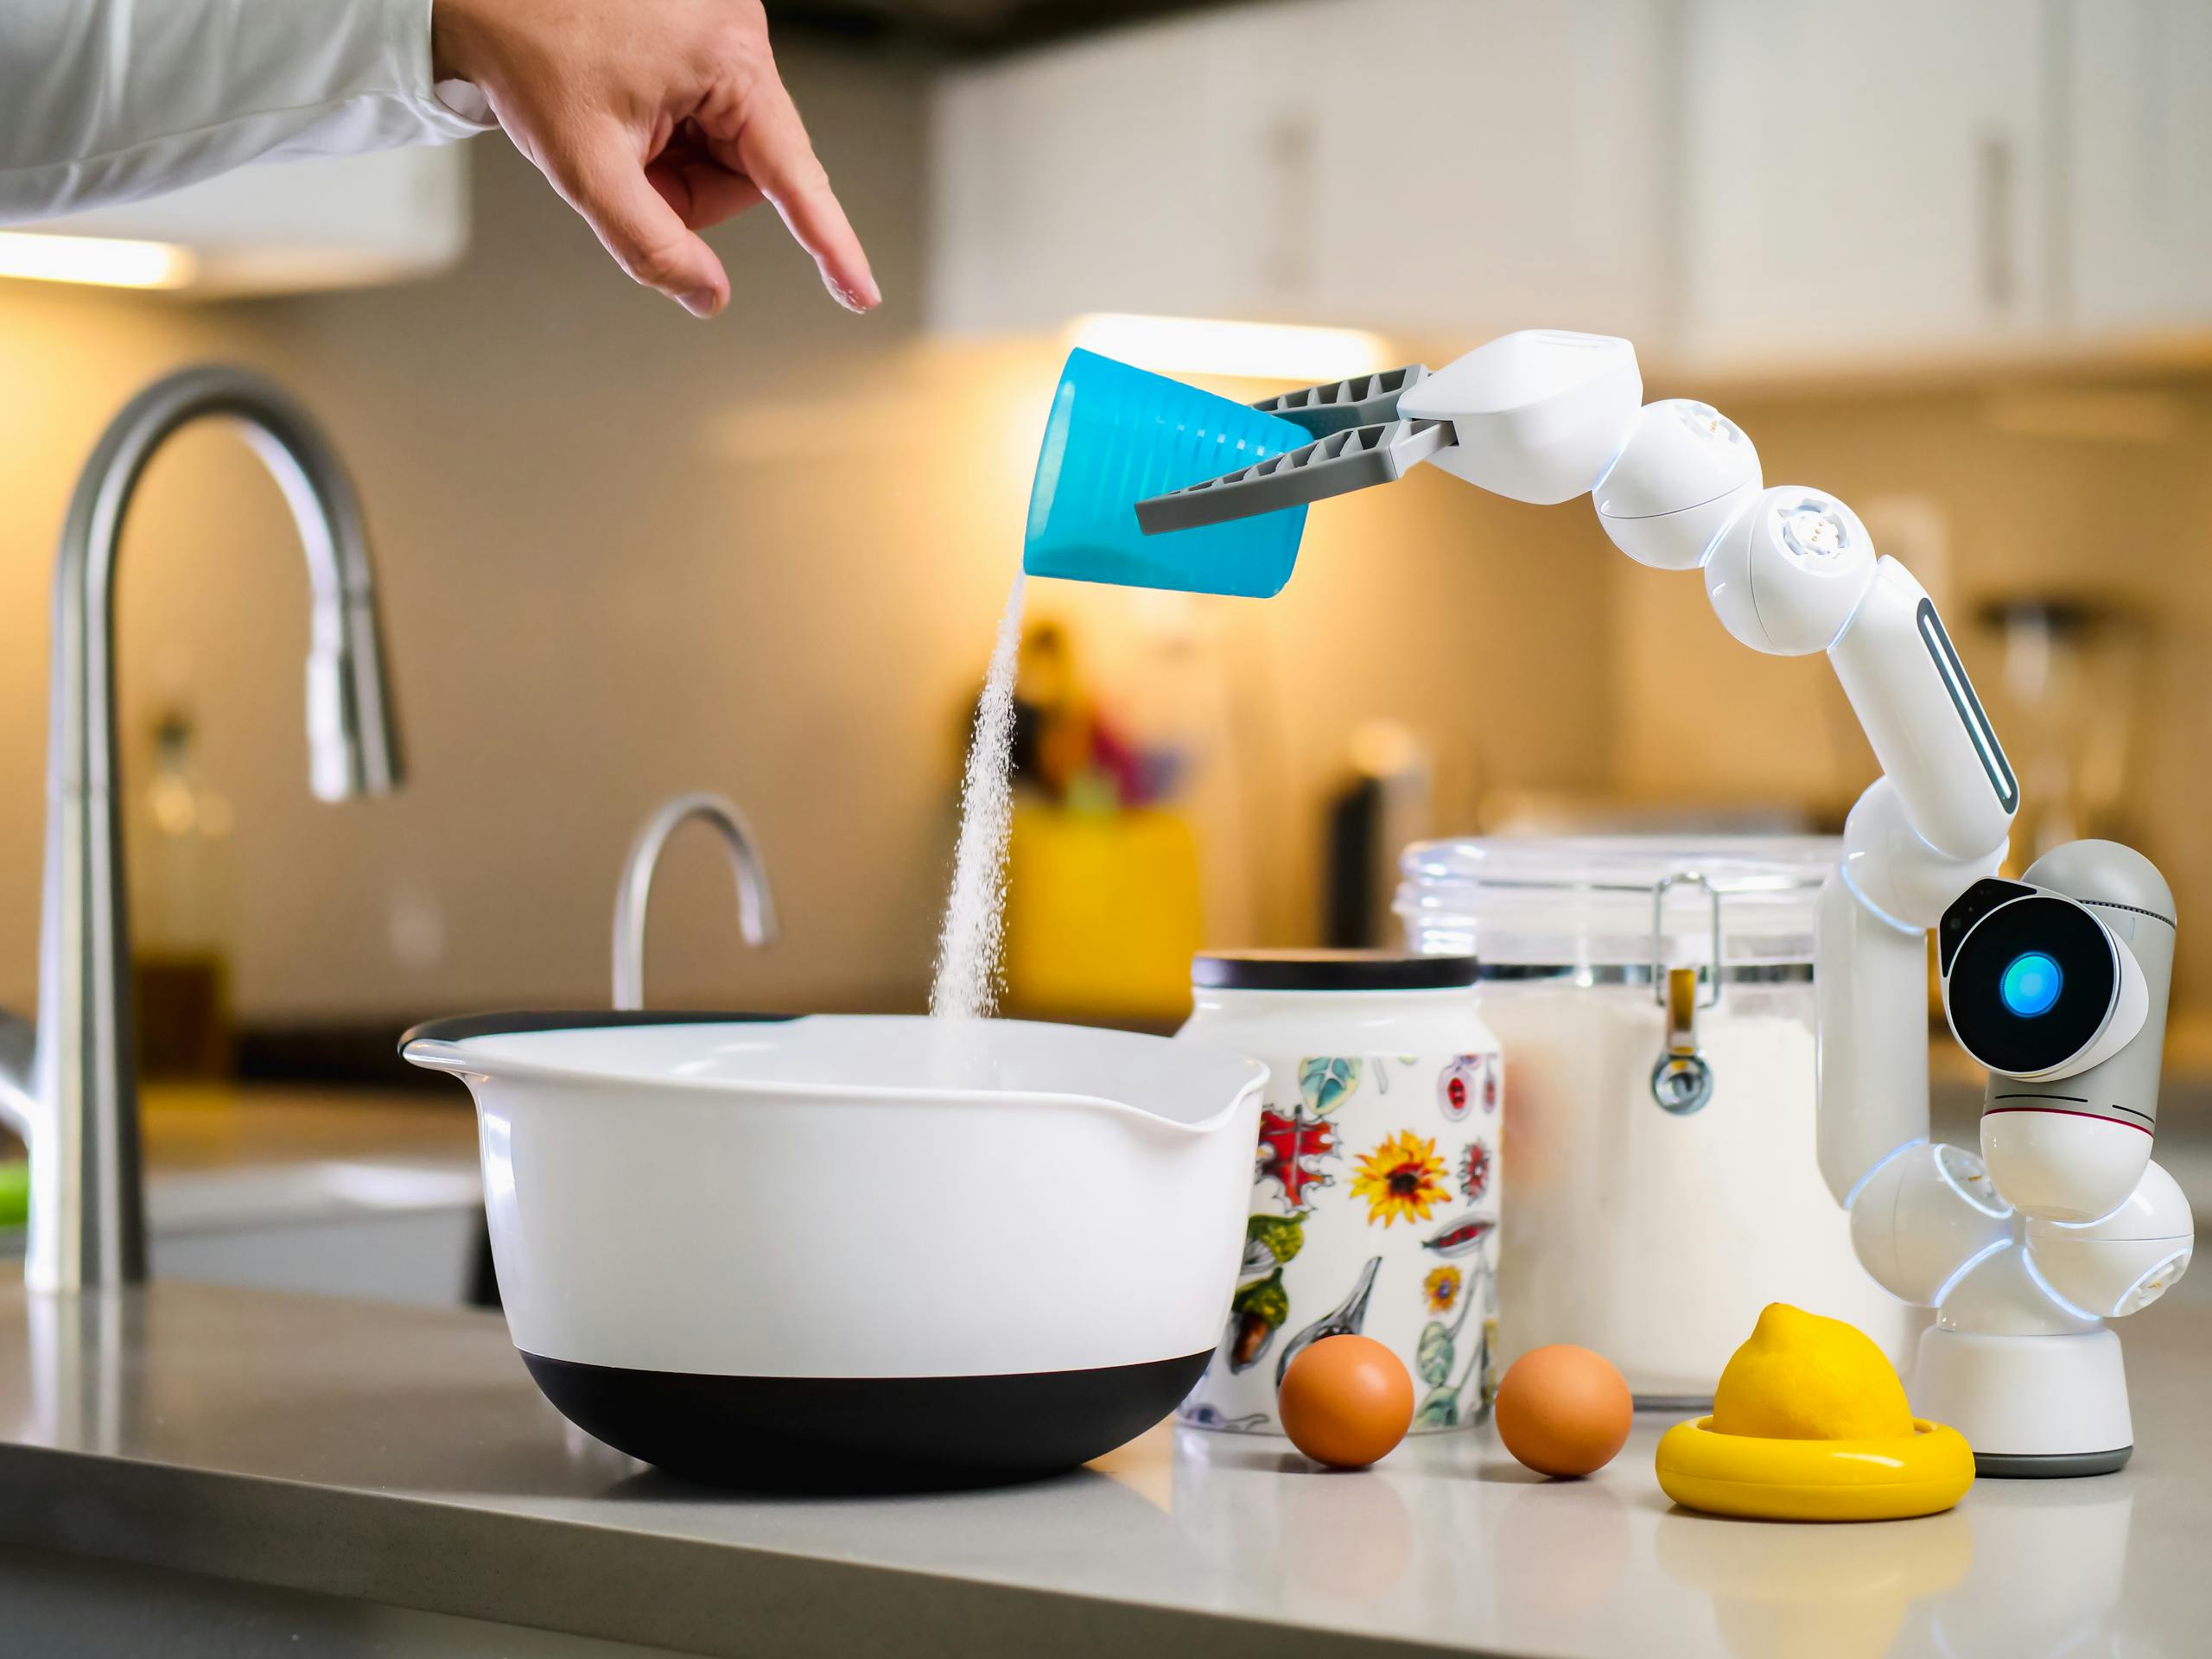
{"x": 108, "y": 100}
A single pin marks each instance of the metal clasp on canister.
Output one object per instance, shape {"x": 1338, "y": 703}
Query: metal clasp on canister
{"x": 1682, "y": 1081}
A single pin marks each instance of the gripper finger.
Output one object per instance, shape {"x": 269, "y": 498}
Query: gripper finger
{"x": 1340, "y": 406}
{"x": 1335, "y": 465}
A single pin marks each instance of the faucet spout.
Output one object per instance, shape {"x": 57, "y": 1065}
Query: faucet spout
{"x": 756, "y": 906}
{"x": 87, "y": 1221}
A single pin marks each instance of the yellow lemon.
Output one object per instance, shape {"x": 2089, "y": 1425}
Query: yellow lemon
{"x": 1802, "y": 1377}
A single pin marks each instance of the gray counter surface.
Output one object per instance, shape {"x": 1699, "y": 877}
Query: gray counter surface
{"x": 401, "y": 1456}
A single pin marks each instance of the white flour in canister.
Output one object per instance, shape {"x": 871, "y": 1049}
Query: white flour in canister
{"x": 1651, "y": 1218}
{"x": 1656, "y": 1239}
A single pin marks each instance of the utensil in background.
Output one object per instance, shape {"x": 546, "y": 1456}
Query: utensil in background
{"x": 1103, "y": 901}
{"x": 1116, "y": 434}
{"x": 184, "y": 1028}
{"x": 1383, "y": 806}
{"x": 2067, "y": 696}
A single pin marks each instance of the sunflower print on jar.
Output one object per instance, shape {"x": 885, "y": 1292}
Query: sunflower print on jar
{"x": 1402, "y": 1177}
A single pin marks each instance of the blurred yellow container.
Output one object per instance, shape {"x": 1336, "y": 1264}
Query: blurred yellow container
{"x": 1103, "y": 914}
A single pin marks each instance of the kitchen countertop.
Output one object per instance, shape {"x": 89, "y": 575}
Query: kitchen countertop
{"x": 401, "y": 1456}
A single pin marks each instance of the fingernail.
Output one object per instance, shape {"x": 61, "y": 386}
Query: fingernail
{"x": 699, "y": 302}
{"x": 855, "y": 300}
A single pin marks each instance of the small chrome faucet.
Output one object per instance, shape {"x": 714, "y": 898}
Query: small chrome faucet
{"x": 68, "y": 1084}
{"x": 756, "y": 907}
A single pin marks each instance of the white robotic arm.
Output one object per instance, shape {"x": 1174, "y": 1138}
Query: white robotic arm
{"x": 2058, "y": 983}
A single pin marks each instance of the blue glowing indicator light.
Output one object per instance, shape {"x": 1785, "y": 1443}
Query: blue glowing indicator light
{"x": 2030, "y": 984}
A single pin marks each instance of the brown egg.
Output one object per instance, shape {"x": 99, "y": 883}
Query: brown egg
{"x": 1345, "y": 1400}
{"x": 1563, "y": 1410}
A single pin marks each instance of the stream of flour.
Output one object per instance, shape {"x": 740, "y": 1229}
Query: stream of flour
{"x": 968, "y": 945}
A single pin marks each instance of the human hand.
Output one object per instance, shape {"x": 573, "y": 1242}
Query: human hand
{"x": 655, "y": 121}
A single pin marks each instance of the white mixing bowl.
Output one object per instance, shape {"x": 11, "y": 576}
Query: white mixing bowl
{"x": 749, "y": 1249}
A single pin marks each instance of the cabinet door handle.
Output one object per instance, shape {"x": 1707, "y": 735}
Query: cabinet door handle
{"x": 1996, "y": 178}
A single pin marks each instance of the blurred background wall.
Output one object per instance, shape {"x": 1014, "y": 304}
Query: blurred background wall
{"x": 626, "y": 554}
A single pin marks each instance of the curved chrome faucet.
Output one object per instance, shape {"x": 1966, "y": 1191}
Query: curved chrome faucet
{"x": 69, "y": 1085}
{"x": 756, "y": 909}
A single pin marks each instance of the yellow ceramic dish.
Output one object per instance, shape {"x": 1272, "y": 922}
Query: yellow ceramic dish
{"x": 1921, "y": 1473}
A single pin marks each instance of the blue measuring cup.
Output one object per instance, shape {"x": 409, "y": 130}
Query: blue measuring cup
{"x": 1117, "y": 435}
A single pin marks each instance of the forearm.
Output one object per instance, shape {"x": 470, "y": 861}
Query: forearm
{"x": 109, "y": 100}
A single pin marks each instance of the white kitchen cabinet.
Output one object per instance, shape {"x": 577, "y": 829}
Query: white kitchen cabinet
{"x": 1485, "y": 165}
{"x": 288, "y": 227}
{"x": 1404, "y": 165}
{"x": 1087, "y": 178}
{"x": 2136, "y": 123}
{"x": 1860, "y": 179}
{"x": 1769, "y": 187}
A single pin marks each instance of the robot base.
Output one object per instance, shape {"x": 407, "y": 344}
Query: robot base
{"x": 2030, "y": 1406}
{"x": 2065, "y": 1466}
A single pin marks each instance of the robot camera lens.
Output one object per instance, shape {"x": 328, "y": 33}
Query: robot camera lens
{"x": 2030, "y": 983}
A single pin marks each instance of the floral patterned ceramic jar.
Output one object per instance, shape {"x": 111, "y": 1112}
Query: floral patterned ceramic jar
{"x": 1375, "y": 1186}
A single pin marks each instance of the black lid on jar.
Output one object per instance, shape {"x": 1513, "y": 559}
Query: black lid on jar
{"x": 1329, "y": 970}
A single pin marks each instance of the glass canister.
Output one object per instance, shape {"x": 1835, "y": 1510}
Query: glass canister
{"x": 1655, "y": 1001}
{"x": 1376, "y": 1183}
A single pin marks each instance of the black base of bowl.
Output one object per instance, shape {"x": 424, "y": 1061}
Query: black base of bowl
{"x": 855, "y": 1434}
